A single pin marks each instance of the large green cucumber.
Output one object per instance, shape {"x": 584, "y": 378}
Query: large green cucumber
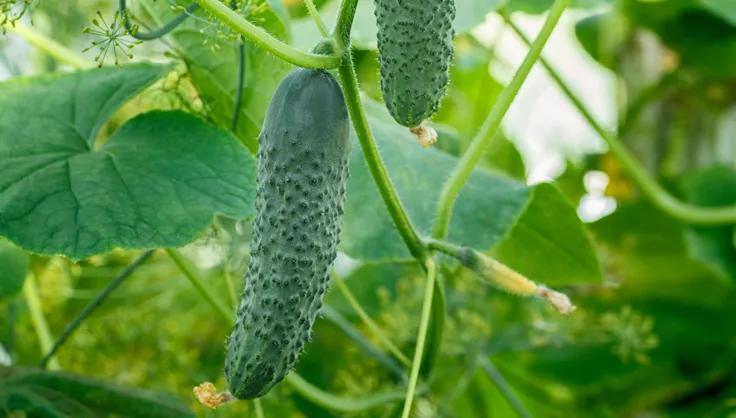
{"x": 300, "y": 192}
{"x": 415, "y": 51}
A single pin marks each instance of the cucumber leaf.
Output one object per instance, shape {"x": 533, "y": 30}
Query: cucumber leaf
{"x": 157, "y": 181}
{"x": 492, "y": 211}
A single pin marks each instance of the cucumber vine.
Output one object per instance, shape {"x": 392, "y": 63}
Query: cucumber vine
{"x": 121, "y": 34}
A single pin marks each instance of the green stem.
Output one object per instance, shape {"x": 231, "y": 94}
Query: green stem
{"x": 306, "y": 389}
{"x": 230, "y": 284}
{"x": 348, "y": 295}
{"x": 421, "y": 337}
{"x": 651, "y": 189}
{"x": 491, "y": 124}
{"x": 340, "y": 403}
{"x": 49, "y": 46}
{"x": 502, "y": 276}
{"x": 267, "y": 41}
{"x": 259, "y": 409}
{"x": 374, "y": 161}
{"x": 504, "y": 387}
{"x": 94, "y": 304}
{"x": 30, "y": 292}
{"x": 314, "y": 14}
{"x": 391, "y": 365}
{"x": 344, "y": 23}
{"x": 195, "y": 278}
{"x": 159, "y": 32}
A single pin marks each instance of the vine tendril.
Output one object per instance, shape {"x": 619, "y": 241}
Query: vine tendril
{"x": 158, "y": 32}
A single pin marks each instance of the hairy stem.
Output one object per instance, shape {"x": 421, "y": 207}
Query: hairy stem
{"x": 480, "y": 142}
{"x": 94, "y": 304}
{"x": 314, "y": 14}
{"x": 503, "y": 277}
{"x": 196, "y": 279}
{"x": 375, "y": 162}
{"x": 344, "y": 23}
{"x": 652, "y": 190}
{"x": 30, "y": 292}
{"x": 353, "y": 302}
{"x": 421, "y": 337}
{"x": 265, "y": 40}
{"x": 504, "y": 387}
{"x": 56, "y": 50}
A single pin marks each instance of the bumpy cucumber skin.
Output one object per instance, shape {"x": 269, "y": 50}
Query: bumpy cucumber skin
{"x": 300, "y": 193}
{"x": 415, "y": 51}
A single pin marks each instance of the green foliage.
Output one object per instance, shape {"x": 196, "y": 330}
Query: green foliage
{"x": 703, "y": 36}
{"x": 655, "y": 328}
{"x": 12, "y": 11}
{"x": 39, "y": 394}
{"x": 488, "y": 210}
{"x": 302, "y": 173}
{"x": 13, "y": 269}
{"x": 714, "y": 186}
{"x": 603, "y": 36}
{"x": 156, "y": 182}
{"x": 213, "y": 69}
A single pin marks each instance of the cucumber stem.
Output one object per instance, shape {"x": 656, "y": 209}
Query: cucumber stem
{"x": 377, "y": 331}
{"x": 56, "y": 50}
{"x": 196, "y": 279}
{"x": 502, "y": 276}
{"x": 33, "y": 301}
{"x": 490, "y": 126}
{"x": 503, "y": 386}
{"x": 92, "y": 305}
{"x": 652, "y": 190}
{"x": 267, "y": 41}
{"x": 421, "y": 337}
{"x": 374, "y": 161}
{"x": 314, "y": 14}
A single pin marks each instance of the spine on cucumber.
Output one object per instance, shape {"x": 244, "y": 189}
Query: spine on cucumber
{"x": 415, "y": 51}
{"x": 300, "y": 192}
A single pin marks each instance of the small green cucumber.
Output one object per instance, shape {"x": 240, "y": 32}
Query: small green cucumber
{"x": 415, "y": 51}
{"x": 300, "y": 193}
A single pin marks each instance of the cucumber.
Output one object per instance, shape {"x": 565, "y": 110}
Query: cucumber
{"x": 300, "y": 193}
{"x": 415, "y": 51}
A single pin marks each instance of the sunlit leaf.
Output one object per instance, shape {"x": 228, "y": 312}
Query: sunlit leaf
{"x": 156, "y": 182}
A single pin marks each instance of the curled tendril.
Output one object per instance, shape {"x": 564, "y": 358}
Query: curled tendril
{"x": 12, "y": 10}
{"x": 113, "y": 39}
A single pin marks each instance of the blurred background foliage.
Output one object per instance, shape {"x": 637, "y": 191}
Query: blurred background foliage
{"x": 656, "y": 337}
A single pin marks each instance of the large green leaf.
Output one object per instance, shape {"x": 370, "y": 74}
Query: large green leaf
{"x": 725, "y": 9}
{"x": 704, "y": 40}
{"x": 603, "y": 36}
{"x": 549, "y": 225}
{"x": 650, "y": 251}
{"x": 714, "y": 186}
{"x": 491, "y": 209}
{"x": 13, "y": 268}
{"x": 156, "y": 182}
{"x": 687, "y": 305}
{"x": 46, "y": 394}
{"x": 214, "y": 71}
